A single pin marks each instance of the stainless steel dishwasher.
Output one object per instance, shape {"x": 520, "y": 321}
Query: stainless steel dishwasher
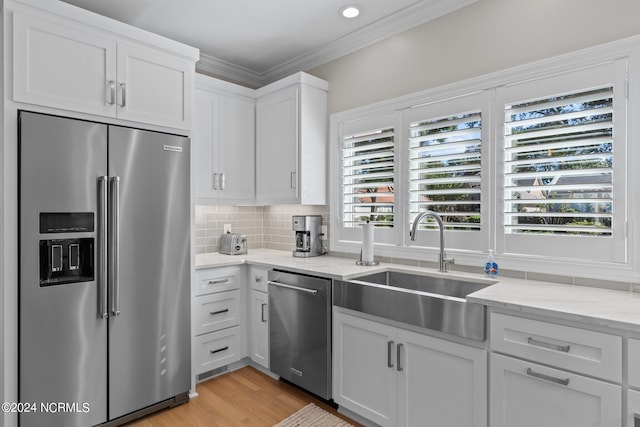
{"x": 300, "y": 330}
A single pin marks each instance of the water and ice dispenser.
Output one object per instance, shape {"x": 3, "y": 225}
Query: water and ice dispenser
{"x": 67, "y": 260}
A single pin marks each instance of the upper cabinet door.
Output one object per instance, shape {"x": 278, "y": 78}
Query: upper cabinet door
{"x": 277, "y": 147}
{"x": 154, "y": 87}
{"x": 56, "y": 64}
{"x": 205, "y": 144}
{"x": 237, "y": 148}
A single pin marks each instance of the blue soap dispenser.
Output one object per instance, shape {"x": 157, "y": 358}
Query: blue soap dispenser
{"x": 491, "y": 266}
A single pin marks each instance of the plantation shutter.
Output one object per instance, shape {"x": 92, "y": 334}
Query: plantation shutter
{"x": 445, "y": 169}
{"x": 564, "y": 191}
{"x": 559, "y": 164}
{"x": 368, "y": 163}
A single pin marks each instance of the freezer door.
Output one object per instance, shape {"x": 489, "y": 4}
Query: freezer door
{"x": 63, "y": 337}
{"x": 149, "y": 344}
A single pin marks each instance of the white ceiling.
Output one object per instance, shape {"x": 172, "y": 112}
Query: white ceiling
{"x": 258, "y": 41}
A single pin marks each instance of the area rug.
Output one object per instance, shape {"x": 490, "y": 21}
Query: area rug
{"x": 312, "y": 416}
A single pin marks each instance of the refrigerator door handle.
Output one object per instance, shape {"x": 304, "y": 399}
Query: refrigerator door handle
{"x": 102, "y": 247}
{"x": 114, "y": 245}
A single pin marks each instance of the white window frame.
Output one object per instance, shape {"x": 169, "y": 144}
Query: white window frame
{"x": 463, "y": 240}
{"x": 604, "y": 249}
{"x": 354, "y": 234}
{"x": 621, "y": 263}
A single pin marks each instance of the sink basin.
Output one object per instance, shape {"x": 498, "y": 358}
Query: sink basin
{"x": 432, "y": 302}
{"x": 436, "y": 285}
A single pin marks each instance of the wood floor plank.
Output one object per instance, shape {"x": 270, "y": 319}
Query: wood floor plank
{"x": 243, "y": 398}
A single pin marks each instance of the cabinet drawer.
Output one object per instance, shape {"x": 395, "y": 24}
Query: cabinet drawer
{"x": 259, "y": 278}
{"x": 217, "y": 280}
{"x": 633, "y": 360}
{"x": 217, "y": 311}
{"x": 526, "y": 394}
{"x": 216, "y": 349}
{"x": 574, "y": 349}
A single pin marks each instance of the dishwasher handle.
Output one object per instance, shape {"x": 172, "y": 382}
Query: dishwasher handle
{"x": 295, "y": 288}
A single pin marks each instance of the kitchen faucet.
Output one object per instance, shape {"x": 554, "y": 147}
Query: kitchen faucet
{"x": 444, "y": 261}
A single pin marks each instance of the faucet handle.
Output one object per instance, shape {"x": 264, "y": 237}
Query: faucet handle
{"x": 447, "y": 262}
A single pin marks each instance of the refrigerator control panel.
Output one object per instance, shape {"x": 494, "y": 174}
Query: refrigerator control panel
{"x": 66, "y": 222}
{"x": 66, "y": 261}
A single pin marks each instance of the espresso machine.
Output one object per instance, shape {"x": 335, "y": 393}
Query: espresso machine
{"x": 308, "y": 231}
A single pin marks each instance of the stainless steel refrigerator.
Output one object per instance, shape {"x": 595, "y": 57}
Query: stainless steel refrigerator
{"x": 104, "y": 271}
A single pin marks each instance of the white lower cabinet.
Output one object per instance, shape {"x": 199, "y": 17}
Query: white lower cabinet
{"x": 217, "y": 313}
{"x": 217, "y": 349}
{"x": 259, "y": 345}
{"x": 395, "y": 377}
{"x": 525, "y": 394}
{"x": 259, "y": 316}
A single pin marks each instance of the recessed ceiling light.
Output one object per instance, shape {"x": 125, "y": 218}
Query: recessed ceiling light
{"x": 350, "y": 11}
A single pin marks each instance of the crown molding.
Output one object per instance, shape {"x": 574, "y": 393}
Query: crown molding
{"x": 226, "y": 70}
{"x": 382, "y": 29}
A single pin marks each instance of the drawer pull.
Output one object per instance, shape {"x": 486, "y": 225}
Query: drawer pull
{"x": 264, "y": 320}
{"x": 213, "y": 313}
{"x": 535, "y": 374}
{"x": 226, "y": 347}
{"x": 398, "y": 357}
{"x": 259, "y": 279}
{"x": 563, "y": 348}
{"x": 218, "y": 281}
{"x": 389, "y": 350}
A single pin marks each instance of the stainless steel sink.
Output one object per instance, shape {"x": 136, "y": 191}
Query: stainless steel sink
{"x": 432, "y": 302}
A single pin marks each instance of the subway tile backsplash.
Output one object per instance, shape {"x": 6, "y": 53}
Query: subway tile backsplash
{"x": 265, "y": 226}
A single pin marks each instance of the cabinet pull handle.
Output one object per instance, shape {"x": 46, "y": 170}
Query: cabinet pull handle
{"x": 292, "y": 179}
{"x": 215, "y": 181}
{"x": 259, "y": 279}
{"x": 226, "y": 347}
{"x": 535, "y": 374}
{"x": 123, "y": 94}
{"x": 214, "y": 313}
{"x": 218, "y": 281}
{"x": 111, "y": 90}
{"x": 389, "y": 351}
{"x": 563, "y": 348}
{"x": 222, "y": 181}
{"x": 262, "y": 315}
{"x": 398, "y": 355}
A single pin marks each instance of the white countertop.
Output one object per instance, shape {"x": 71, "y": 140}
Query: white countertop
{"x": 595, "y": 306}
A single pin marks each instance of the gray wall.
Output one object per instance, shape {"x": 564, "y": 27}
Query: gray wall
{"x": 487, "y": 36}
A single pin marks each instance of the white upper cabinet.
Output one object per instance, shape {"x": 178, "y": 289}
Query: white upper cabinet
{"x": 291, "y": 141}
{"x": 224, "y": 142}
{"x": 153, "y": 87}
{"x": 66, "y": 63}
{"x": 60, "y": 65}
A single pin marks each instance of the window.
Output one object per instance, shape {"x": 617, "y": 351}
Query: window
{"x": 445, "y": 169}
{"x": 564, "y": 137}
{"x": 535, "y": 162}
{"x": 367, "y": 179}
{"x": 559, "y": 163}
{"x": 445, "y": 166}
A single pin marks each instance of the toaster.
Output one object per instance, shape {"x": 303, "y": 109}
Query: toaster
{"x": 233, "y": 244}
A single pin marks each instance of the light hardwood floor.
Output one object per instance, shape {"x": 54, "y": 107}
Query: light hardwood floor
{"x": 245, "y": 397}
